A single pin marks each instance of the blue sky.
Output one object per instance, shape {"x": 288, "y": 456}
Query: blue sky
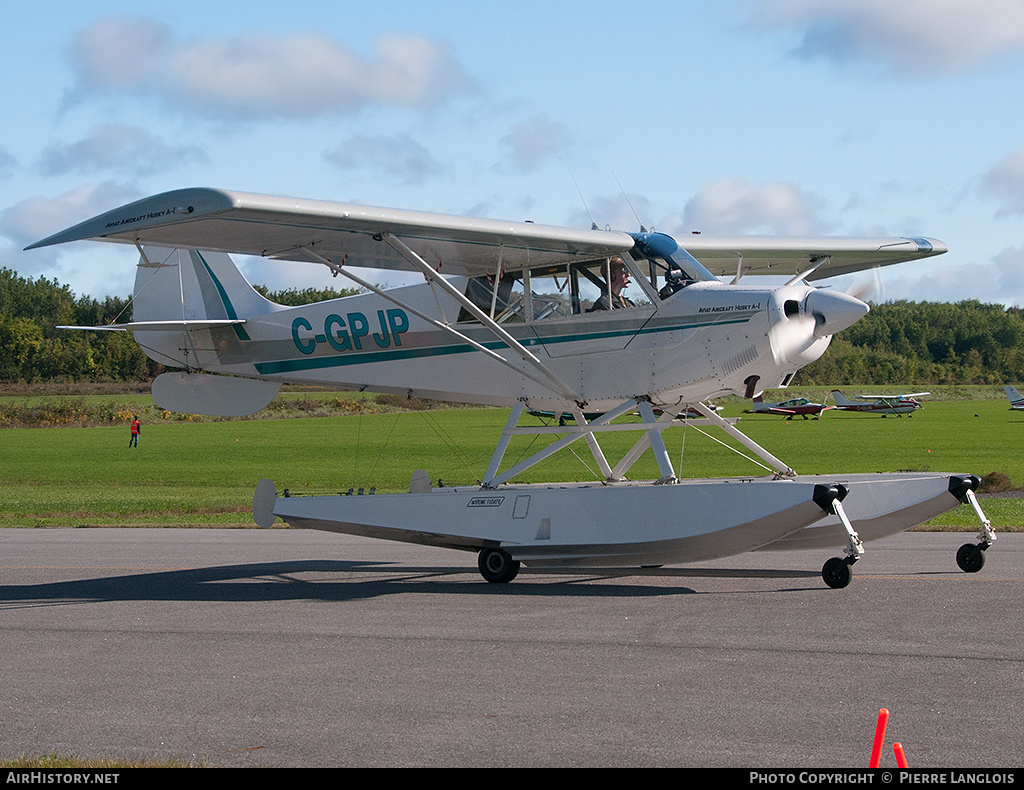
{"x": 794, "y": 117}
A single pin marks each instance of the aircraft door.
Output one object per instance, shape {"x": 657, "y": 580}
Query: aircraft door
{"x": 588, "y": 307}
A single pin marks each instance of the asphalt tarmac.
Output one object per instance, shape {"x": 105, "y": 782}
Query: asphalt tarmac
{"x": 292, "y": 648}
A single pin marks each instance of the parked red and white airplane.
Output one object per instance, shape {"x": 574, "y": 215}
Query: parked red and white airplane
{"x": 879, "y": 404}
{"x": 1016, "y": 399}
{"x": 510, "y": 314}
{"x": 796, "y": 407}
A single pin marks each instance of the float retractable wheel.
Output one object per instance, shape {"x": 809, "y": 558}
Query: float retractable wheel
{"x": 971, "y": 557}
{"x": 837, "y": 573}
{"x": 497, "y": 565}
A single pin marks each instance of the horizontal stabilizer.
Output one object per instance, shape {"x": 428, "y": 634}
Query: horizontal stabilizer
{"x": 159, "y": 326}
{"x": 221, "y": 396}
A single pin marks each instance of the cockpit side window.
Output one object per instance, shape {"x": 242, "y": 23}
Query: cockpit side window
{"x": 505, "y": 304}
{"x": 586, "y": 287}
{"x": 561, "y": 291}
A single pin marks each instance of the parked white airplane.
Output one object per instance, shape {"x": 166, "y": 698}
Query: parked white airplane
{"x": 1016, "y": 399}
{"x": 510, "y": 315}
{"x": 879, "y": 404}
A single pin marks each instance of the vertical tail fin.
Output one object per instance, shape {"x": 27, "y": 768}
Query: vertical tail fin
{"x": 840, "y": 399}
{"x": 1016, "y": 399}
{"x": 176, "y": 284}
{"x": 190, "y": 285}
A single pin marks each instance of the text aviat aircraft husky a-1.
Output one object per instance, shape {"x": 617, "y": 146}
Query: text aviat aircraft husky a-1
{"x": 509, "y": 316}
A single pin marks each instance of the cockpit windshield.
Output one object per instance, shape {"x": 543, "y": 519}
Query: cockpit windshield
{"x": 671, "y": 267}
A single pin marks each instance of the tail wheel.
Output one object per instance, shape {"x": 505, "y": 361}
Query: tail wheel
{"x": 497, "y": 565}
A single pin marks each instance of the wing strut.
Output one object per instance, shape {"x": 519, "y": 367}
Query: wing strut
{"x": 817, "y": 262}
{"x": 434, "y": 322}
{"x": 739, "y": 270}
{"x": 433, "y": 277}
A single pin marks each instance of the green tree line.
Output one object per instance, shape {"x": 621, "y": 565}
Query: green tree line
{"x": 896, "y": 343}
{"x": 925, "y": 343}
{"x": 32, "y": 349}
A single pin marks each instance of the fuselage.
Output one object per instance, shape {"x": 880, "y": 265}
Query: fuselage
{"x": 705, "y": 340}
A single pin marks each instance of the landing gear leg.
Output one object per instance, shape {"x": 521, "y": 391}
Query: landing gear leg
{"x": 837, "y": 572}
{"x": 971, "y": 556}
{"x": 497, "y": 565}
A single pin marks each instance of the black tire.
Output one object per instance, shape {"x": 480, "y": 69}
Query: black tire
{"x": 970, "y": 558}
{"x": 836, "y": 573}
{"x": 497, "y": 566}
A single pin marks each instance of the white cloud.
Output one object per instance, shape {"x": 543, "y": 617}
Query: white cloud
{"x": 398, "y": 156}
{"x": 531, "y": 143}
{"x": 91, "y": 269}
{"x": 908, "y": 37}
{"x": 734, "y": 206}
{"x": 1005, "y": 183}
{"x": 257, "y": 76}
{"x": 37, "y": 217}
{"x": 117, "y": 147}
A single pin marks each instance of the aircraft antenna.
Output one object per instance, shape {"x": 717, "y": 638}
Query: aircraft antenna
{"x": 630, "y": 204}
{"x": 593, "y": 225}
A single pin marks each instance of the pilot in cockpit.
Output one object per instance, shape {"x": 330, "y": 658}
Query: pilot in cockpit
{"x": 620, "y": 280}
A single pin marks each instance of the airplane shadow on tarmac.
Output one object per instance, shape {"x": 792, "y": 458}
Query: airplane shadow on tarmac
{"x": 332, "y": 580}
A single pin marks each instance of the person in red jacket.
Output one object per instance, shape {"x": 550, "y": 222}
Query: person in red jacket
{"x": 136, "y": 430}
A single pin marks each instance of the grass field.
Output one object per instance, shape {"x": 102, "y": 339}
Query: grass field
{"x": 204, "y": 473}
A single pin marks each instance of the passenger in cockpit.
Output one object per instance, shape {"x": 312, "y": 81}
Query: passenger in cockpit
{"x": 620, "y": 279}
{"x": 675, "y": 280}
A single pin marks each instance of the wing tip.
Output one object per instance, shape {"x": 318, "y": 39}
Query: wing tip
{"x": 143, "y": 213}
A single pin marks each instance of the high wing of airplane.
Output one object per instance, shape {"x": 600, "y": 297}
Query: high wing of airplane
{"x": 808, "y": 259}
{"x": 794, "y": 407}
{"x": 880, "y": 404}
{"x": 1016, "y": 399}
{"x": 510, "y": 314}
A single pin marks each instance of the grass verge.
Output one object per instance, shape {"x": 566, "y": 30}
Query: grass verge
{"x": 204, "y": 473}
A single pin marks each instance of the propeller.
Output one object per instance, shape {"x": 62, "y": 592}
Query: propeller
{"x": 824, "y": 402}
{"x": 800, "y": 333}
{"x": 869, "y": 289}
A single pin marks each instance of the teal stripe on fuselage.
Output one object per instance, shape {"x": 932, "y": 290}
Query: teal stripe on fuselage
{"x": 393, "y": 355}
